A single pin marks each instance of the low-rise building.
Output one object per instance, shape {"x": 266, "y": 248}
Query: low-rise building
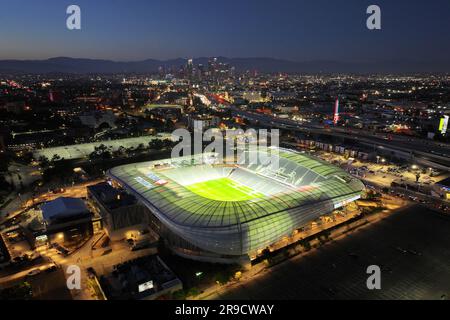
{"x": 442, "y": 189}
{"x": 122, "y": 216}
{"x": 146, "y": 278}
{"x": 5, "y": 256}
{"x": 66, "y": 221}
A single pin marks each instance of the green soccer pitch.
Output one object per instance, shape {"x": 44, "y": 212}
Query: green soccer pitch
{"x": 224, "y": 189}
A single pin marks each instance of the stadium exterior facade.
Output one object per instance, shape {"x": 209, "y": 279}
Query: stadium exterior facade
{"x": 208, "y": 228}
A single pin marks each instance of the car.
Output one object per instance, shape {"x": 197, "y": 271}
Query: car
{"x": 51, "y": 269}
{"x": 353, "y": 255}
{"x": 401, "y": 250}
{"x": 414, "y": 252}
{"x": 59, "y": 190}
{"x": 34, "y": 272}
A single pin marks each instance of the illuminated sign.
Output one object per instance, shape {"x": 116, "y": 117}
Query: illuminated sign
{"x": 305, "y": 188}
{"x": 42, "y": 238}
{"x": 336, "y": 112}
{"x": 146, "y": 286}
{"x": 161, "y": 182}
{"x": 443, "y": 124}
{"x": 157, "y": 180}
{"x": 145, "y": 183}
{"x": 345, "y": 202}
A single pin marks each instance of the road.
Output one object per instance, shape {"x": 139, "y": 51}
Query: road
{"x": 21, "y": 174}
{"x": 427, "y": 150}
{"x": 19, "y": 275}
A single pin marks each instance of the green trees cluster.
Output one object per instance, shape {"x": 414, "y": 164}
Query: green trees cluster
{"x": 57, "y": 167}
{"x": 21, "y": 291}
{"x": 103, "y": 152}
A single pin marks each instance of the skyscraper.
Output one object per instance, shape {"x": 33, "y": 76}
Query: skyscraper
{"x": 336, "y": 112}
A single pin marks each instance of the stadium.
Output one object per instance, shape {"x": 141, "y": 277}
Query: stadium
{"x": 220, "y": 212}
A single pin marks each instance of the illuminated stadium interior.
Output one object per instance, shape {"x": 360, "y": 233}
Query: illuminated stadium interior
{"x": 236, "y": 210}
{"x": 224, "y": 189}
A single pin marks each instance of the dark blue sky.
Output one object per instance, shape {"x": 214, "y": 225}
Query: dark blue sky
{"x": 163, "y": 29}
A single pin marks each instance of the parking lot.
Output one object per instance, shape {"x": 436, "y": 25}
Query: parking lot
{"x": 398, "y": 179}
{"x": 382, "y": 172}
{"x": 410, "y": 247}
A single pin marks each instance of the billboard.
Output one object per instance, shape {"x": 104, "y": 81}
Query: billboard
{"x": 146, "y": 286}
{"x": 443, "y": 124}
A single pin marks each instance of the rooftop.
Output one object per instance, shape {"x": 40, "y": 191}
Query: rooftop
{"x": 167, "y": 191}
{"x": 111, "y": 197}
{"x": 63, "y": 207}
{"x": 139, "y": 279}
{"x": 444, "y": 183}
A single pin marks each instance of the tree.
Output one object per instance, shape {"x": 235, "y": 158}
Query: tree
{"x": 192, "y": 292}
{"x": 140, "y": 147}
{"x": 22, "y": 291}
{"x": 168, "y": 143}
{"x": 101, "y": 152}
{"x": 222, "y": 278}
{"x": 5, "y": 160}
{"x": 60, "y": 169}
{"x": 44, "y": 162}
{"x": 4, "y": 185}
{"x": 120, "y": 152}
{"x": 156, "y": 144}
{"x": 56, "y": 157}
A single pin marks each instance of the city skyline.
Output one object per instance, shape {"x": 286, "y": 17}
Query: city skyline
{"x": 292, "y": 30}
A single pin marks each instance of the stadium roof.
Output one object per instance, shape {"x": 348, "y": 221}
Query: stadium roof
{"x": 186, "y": 208}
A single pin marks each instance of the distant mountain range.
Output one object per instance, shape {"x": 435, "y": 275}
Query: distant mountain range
{"x": 265, "y": 65}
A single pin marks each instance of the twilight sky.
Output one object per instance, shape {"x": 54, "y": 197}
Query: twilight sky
{"x": 163, "y": 29}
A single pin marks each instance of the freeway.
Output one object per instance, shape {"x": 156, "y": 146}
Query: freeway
{"x": 430, "y": 152}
